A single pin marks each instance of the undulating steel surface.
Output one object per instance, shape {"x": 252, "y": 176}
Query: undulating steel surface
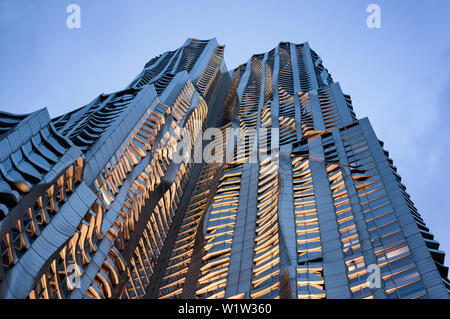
{"x": 93, "y": 204}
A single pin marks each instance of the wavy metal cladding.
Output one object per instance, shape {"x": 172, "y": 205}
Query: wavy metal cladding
{"x": 97, "y": 188}
{"x": 94, "y": 186}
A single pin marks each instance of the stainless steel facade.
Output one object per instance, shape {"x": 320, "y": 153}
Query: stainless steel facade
{"x": 93, "y": 205}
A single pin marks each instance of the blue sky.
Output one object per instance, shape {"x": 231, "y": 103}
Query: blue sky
{"x": 398, "y": 75}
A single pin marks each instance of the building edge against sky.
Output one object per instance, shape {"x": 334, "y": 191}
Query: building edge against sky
{"x": 92, "y": 204}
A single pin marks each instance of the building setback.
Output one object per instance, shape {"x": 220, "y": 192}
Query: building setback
{"x": 93, "y": 204}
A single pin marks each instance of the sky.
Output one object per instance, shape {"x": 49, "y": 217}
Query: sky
{"x": 398, "y": 75}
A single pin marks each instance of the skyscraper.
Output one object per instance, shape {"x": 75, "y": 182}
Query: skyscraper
{"x": 94, "y": 204}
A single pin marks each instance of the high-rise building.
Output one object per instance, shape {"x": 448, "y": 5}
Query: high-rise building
{"x": 303, "y": 202}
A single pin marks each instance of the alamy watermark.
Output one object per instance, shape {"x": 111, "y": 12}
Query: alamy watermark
{"x": 74, "y": 276}
{"x": 73, "y": 21}
{"x": 234, "y": 145}
{"x": 374, "y": 278}
{"x": 373, "y": 21}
